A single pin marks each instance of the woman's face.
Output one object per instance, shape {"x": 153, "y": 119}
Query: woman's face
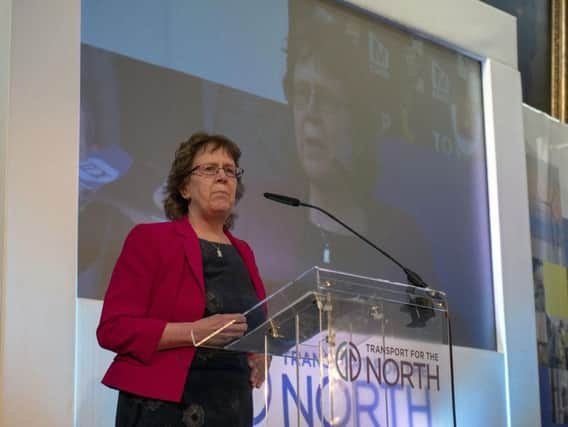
{"x": 211, "y": 196}
{"x": 321, "y": 122}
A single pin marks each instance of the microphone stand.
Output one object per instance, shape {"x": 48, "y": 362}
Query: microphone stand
{"x": 419, "y": 315}
{"x": 413, "y": 278}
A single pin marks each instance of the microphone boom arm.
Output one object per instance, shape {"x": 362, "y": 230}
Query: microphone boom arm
{"x": 412, "y": 277}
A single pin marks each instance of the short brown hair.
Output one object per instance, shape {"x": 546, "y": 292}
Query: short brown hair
{"x": 175, "y": 206}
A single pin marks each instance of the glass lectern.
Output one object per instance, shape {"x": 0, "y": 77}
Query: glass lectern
{"x": 367, "y": 351}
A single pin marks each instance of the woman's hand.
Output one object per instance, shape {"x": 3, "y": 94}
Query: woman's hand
{"x": 258, "y": 368}
{"x": 218, "y": 329}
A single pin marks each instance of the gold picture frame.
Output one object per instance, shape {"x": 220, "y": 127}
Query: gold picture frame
{"x": 558, "y": 63}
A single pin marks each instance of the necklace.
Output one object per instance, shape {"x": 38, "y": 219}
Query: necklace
{"x": 326, "y": 255}
{"x": 217, "y": 247}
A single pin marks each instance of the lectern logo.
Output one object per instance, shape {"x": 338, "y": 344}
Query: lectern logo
{"x": 348, "y": 361}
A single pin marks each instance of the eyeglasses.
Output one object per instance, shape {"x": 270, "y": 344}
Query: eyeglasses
{"x": 319, "y": 97}
{"x": 211, "y": 169}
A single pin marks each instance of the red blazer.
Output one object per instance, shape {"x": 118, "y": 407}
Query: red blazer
{"x": 158, "y": 278}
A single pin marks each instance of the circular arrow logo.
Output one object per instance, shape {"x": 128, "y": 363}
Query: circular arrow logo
{"x": 348, "y": 361}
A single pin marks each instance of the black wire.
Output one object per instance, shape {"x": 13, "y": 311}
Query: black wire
{"x": 413, "y": 278}
{"x": 452, "y": 370}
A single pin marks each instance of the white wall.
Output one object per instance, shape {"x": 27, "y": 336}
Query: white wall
{"x": 40, "y": 139}
{"x": 468, "y": 24}
{"x": 40, "y": 212}
{"x": 5, "y": 34}
{"x": 512, "y": 266}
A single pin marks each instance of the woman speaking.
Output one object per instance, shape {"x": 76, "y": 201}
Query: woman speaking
{"x": 176, "y": 283}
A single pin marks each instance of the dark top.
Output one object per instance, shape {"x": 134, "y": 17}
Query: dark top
{"x": 228, "y": 290}
{"x": 217, "y": 390}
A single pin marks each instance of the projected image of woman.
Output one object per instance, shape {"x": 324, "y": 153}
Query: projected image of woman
{"x": 176, "y": 283}
{"x": 324, "y": 93}
{"x": 342, "y": 107}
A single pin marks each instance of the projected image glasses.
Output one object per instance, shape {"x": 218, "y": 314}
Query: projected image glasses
{"x": 211, "y": 169}
{"x": 319, "y": 97}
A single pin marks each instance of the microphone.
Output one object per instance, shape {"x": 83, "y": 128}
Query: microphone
{"x": 283, "y": 199}
{"x": 412, "y": 277}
